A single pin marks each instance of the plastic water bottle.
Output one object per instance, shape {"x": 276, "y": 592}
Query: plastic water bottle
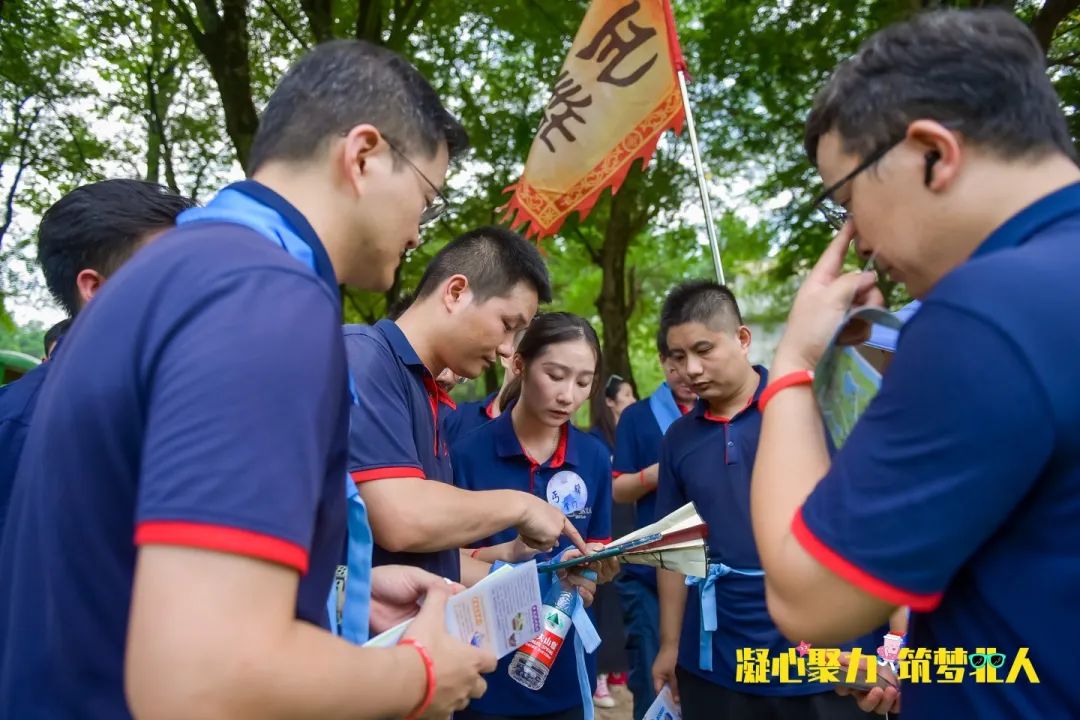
{"x": 532, "y": 663}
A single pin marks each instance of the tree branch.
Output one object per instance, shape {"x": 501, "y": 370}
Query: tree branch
{"x": 24, "y": 162}
{"x": 183, "y": 13}
{"x": 287, "y": 25}
{"x": 1048, "y": 18}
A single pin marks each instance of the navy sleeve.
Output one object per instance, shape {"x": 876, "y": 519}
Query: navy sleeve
{"x": 381, "y": 443}
{"x": 241, "y": 410}
{"x": 670, "y": 495}
{"x": 626, "y": 446}
{"x": 600, "y": 522}
{"x": 12, "y": 439}
{"x": 952, "y": 443}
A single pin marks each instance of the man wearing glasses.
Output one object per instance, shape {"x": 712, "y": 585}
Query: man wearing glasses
{"x": 958, "y": 492}
{"x": 175, "y": 559}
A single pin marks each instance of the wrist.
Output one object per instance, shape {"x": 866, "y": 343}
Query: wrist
{"x": 428, "y": 668}
{"x": 786, "y": 362}
{"x": 413, "y": 679}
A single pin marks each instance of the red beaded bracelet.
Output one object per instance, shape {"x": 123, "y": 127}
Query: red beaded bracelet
{"x": 799, "y": 377}
{"x": 429, "y": 671}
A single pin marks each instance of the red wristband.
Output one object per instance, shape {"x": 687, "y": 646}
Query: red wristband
{"x": 799, "y": 377}
{"x": 474, "y": 553}
{"x": 429, "y": 671}
{"x": 641, "y": 479}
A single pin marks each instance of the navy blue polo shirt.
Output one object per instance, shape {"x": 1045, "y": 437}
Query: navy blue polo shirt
{"x": 637, "y": 446}
{"x": 466, "y": 417}
{"x": 17, "y": 403}
{"x": 395, "y": 426}
{"x": 708, "y": 460}
{"x": 967, "y": 467}
{"x": 185, "y": 418}
{"x": 577, "y": 479}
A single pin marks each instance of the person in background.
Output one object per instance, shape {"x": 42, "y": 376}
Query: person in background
{"x": 52, "y": 337}
{"x": 607, "y": 407}
{"x": 635, "y": 471}
{"x": 534, "y": 448}
{"x": 83, "y": 239}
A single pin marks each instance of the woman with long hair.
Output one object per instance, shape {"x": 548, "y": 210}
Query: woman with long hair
{"x": 533, "y": 446}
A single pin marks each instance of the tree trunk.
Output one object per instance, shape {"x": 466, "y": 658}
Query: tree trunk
{"x": 223, "y": 40}
{"x": 1048, "y": 18}
{"x": 626, "y": 220}
{"x": 320, "y": 15}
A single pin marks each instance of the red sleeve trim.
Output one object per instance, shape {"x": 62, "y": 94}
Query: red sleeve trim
{"x": 224, "y": 539}
{"x": 856, "y": 575}
{"x": 382, "y": 473}
{"x": 615, "y": 474}
{"x": 602, "y": 541}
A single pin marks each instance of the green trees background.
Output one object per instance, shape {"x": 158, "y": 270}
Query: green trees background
{"x": 169, "y": 90}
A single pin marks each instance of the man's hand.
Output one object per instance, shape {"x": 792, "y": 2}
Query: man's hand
{"x": 821, "y": 304}
{"x": 515, "y": 551}
{"x": 878, "y": 700}
{"x": 458, "y": 667}
{"x": 663, "y": 670}
{"x": 541, "y": 524}
{"x": 396, "y": 591}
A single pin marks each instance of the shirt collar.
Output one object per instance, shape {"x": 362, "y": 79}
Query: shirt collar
{"x": 489, "y": 405}
{"x": 701, "y": 409}
{"x": 508, "y": 445}
{"x": 300, "y": 225}
{"x": 400, "y": 344}
{"x": 1022, "y": 226}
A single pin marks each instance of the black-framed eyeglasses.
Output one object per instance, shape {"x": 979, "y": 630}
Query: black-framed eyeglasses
{"x": 613, "y": 383}
{"x": 438, "y": 204}
{"x": 835, "y": 213}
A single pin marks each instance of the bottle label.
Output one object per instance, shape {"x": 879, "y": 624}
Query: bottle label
{"x": 547, "y": 645}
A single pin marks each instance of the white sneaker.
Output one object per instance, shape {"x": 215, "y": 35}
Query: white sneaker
{"x": 602, "y": 697}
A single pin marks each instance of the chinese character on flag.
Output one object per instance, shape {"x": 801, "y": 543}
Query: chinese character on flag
{"x": 616, "y": 94}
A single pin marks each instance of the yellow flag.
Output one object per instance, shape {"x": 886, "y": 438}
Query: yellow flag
{"x": 616, "y": 94}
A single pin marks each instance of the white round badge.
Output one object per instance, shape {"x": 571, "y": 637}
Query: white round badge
{"x": 566, "y": 491}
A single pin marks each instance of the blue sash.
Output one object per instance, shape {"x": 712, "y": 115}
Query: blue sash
{"x": 586, "y": 639}
{"x": 707, "y": 590}
{"x": 664, "y": 408}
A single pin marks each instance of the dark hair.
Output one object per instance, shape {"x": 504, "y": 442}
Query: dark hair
{"x": 603, "y": 417}
{"x": 550, "y": 329}
{"x": 703, "y": 301}
{"x": 54, "y": 333}
{"x": 494, "y": 260}
{"x": 981, "y": 72}
{"x": 397, "y": 308}
{"x": 98, "y": 227}
{"x": 344, "y": 83}
{"x": 661, "y": 342}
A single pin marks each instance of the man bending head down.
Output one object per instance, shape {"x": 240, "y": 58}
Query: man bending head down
{"x": 476, "y": 294}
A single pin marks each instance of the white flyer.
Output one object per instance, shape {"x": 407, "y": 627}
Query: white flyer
{"x": 664, "y": 707}
{"x": 500, "y": 613}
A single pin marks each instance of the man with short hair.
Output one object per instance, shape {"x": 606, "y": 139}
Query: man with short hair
{"x": 83, "y": 238}
{"x": 176, "y": 558}
{"x": 475, "y": 294}
{"x": 958, "y": 491}
{"x": 52, "y": 337}
{"x": 636, "y": 470}
{"x": 706, "y": 457}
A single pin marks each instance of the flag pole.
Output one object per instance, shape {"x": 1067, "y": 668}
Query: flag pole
{"x": 710, "y": 227}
